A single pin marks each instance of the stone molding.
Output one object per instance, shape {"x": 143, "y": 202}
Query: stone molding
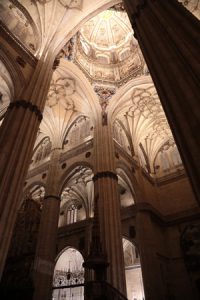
{"x": 27, "y": 105}
{"x": 105, "y": 174}
{"x": 52, "y": 196}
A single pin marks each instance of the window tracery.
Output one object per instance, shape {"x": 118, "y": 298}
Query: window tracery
{"x": 81, "y": 131}
{"x": 72, "y": 214}
{"x": 43, "y": 151}
{"x": 168, "y": 159}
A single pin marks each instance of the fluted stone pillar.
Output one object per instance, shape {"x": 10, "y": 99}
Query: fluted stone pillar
{"x": 47, "y": 236}
{"x": 106, "y": 195}
{"x": 169, "y": 37}
{"x": 151, "y": 273}
{"x": 17, "y": 137}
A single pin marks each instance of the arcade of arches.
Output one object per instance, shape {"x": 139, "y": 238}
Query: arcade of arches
{"x": 99, "y": 122}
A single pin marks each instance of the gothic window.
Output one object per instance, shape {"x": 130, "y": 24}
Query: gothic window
{"x": 72, "y": 214}
{"x": 164, "y": 161}
{"x": 176, "y": 156}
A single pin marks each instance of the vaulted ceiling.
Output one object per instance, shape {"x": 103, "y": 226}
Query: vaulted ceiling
{"x": 107, "y": 68}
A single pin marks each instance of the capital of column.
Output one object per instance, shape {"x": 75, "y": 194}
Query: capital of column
{"x": 26, "y": 105}
{"x": 104, "y": 174}
{"x": 52, "y": 196}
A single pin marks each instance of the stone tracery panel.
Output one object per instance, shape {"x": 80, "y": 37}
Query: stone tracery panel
{"x": 80, "y": 132}
{"x": 61, "y": 91}
{"x": 42, "y": 152}
{"x": 167, "y": 159}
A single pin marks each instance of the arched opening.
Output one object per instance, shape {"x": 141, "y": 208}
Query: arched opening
{"x": 68, "y": 277}
{"x": 134, "y": 281}
{"x": 77, "y": 197}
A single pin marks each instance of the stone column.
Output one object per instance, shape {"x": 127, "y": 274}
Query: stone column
{"x": 106, "y": 194}
{"x": 145, "y": 235}
{"x": 169, "y": 37}
{"x": 17, "y": 137}
{"x": 47, "y": 236}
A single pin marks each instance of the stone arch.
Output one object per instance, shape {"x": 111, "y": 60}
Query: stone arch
{"x": 68, "y": 272}
{"x": 14, "y": 70}
{"x": 18, "y": 20}
{"x": 83, "y": 87}
{"x": 126, "y": 142}
{"x": 35, "y": 191}
{"x": 92, "y": 11}
{"x": 77, "y": 196}
{"x": 126, "y": 190}
{"x": 7, "y": 90}
{"x": 134, "y": 281}
{"x": 131, "y": 179}
{"x": 67, "y": 174}
{"x": 125, "y": 92}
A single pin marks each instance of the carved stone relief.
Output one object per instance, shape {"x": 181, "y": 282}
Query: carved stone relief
{"x": 104, "y": 94}
{"x": 60, "y": 92}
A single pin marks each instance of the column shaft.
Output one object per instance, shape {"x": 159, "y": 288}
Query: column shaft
{"x": 47, "y": 237}
{"x": 169, "y": 37}
{"x": 17, "y": 137}
{"x": 145, "y": 235}
{"x": 106, "y": 190}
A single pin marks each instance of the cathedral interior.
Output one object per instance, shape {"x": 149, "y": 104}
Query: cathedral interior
{"x": 99, "y": 149}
